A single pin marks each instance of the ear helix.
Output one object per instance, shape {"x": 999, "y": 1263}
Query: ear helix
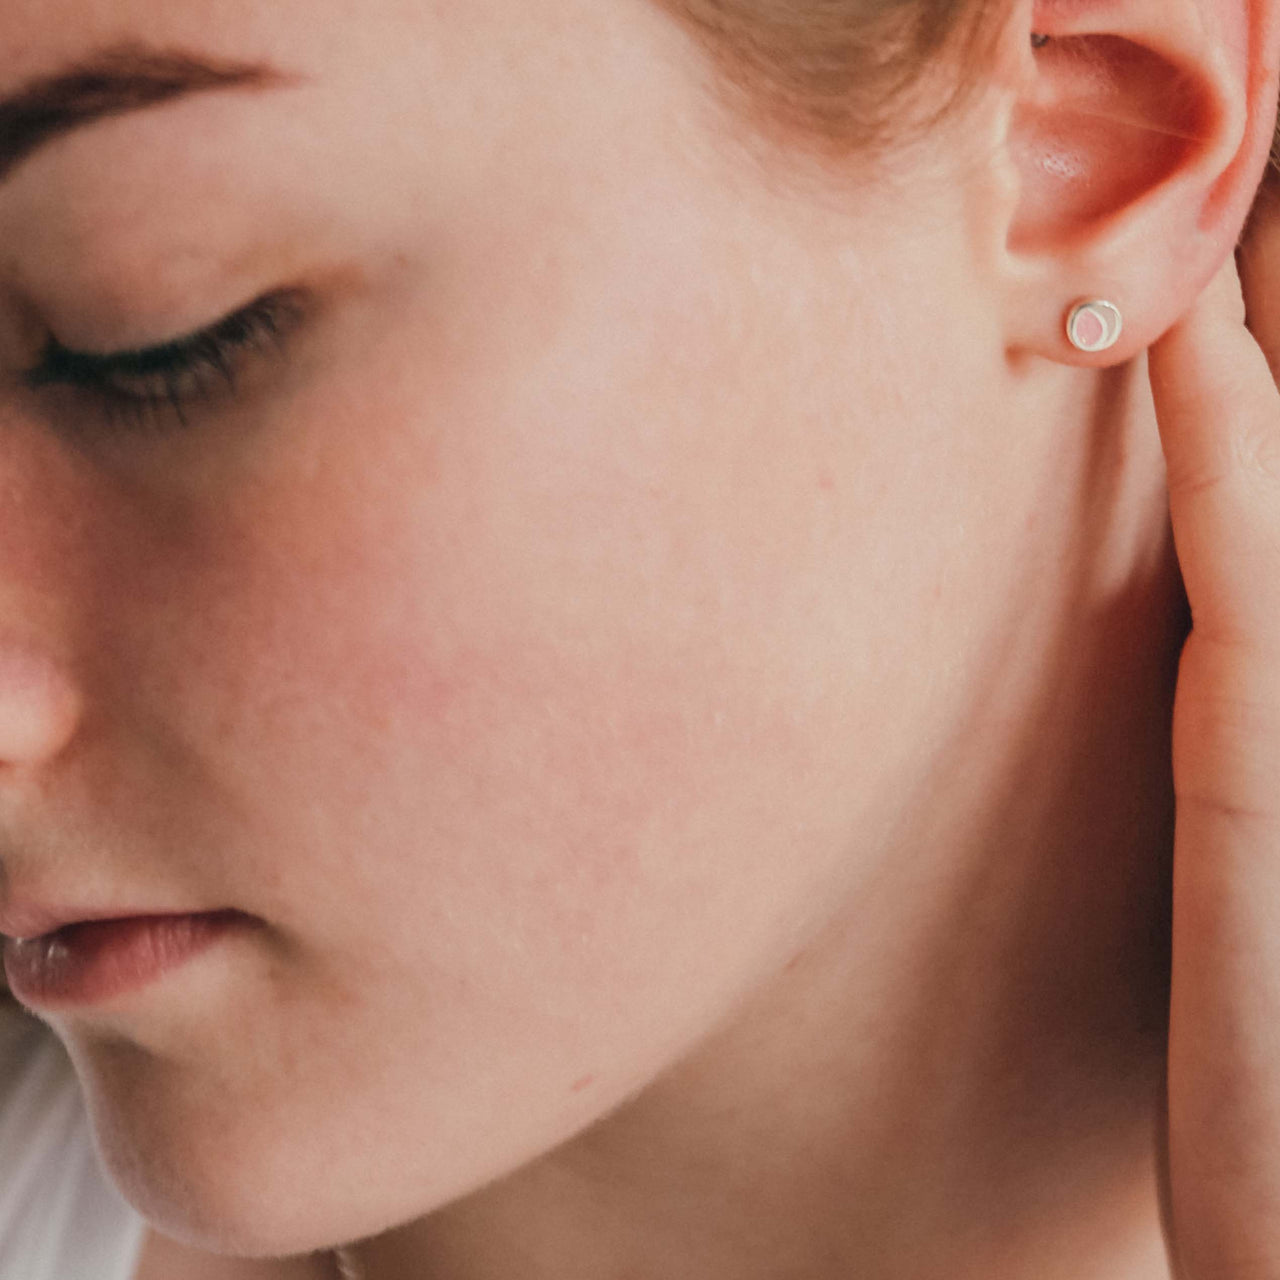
{"x": 1094, "y": 325}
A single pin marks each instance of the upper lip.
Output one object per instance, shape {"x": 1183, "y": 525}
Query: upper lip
{"x": 31, "y": 920}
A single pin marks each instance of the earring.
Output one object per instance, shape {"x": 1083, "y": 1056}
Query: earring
{"x": 1094, "y": 325}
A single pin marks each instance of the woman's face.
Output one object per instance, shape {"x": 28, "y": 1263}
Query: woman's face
{"x": 540, "y": 642}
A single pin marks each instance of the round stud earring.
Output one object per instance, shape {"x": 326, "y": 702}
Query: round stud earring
{"x": 1094, "y": 325}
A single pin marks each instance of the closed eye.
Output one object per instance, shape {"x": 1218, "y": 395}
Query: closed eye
{"x": 155, "y": 388}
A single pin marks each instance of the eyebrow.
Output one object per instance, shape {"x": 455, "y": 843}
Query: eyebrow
{"x": 114, "y": 81}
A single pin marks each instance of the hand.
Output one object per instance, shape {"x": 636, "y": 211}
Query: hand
{"x": 1219, "y": 415}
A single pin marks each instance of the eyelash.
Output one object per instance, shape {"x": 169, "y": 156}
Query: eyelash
{"x": 169, "y": 372}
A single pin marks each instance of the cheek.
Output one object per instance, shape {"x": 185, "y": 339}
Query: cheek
{"x": 490, "y": 688}
{"x": 541, "y": 644}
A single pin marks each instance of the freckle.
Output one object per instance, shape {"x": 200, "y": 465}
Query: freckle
{"x": 582, "y": 1084}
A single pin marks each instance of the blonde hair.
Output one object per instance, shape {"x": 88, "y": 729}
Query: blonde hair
{"x": 840, "y": 75}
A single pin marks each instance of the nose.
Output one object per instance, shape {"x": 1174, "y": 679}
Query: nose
{"x": 39, "y": 704}
{"x": 45, "y": 534}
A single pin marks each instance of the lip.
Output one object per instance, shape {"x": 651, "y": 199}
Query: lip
{"x": 19, "y": 921}
{"x": 92, "y": 960}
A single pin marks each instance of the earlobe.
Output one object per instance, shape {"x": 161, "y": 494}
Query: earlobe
{"x": 1138, "y": 138}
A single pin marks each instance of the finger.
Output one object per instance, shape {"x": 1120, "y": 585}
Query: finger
{"x": 1219, "y": 417}
{"x": 1223, "y": 1081}
{"x": 1218, "y": 412}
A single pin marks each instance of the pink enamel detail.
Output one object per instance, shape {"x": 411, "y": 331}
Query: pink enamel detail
{"x": 1089, "y": 329}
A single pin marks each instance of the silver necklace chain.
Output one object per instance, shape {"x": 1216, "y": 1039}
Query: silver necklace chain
{"x": 348, "y": 1267}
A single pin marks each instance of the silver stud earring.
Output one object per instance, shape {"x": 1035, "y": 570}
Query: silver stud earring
{"x": 1094, "y": 325}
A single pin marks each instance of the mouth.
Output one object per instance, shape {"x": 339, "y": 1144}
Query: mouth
{"x": 92, "y": 961}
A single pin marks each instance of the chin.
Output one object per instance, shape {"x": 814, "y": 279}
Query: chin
{"x": 210, "y": 1172}
{"x": 260, "y": 1178}
{"x": 219, "y": 1197}
{"x": 223, "y": 1154}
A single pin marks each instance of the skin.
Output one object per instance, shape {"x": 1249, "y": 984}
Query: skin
{"x": 686, "y": 697}
{"x": 1219, "y": 412}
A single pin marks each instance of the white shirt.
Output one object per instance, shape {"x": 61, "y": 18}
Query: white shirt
{"x": 60, "y": 1217}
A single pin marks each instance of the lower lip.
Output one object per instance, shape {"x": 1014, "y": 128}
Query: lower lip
{"x": 100, "y": 959}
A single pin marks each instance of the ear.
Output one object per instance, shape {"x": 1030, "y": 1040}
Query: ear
{"x": 1137, "y": 136}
